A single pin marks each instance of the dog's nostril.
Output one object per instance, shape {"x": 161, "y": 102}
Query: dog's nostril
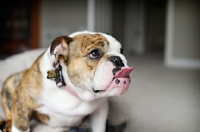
{"x": 117, "y": 61}
{"x": 117, "y": 81}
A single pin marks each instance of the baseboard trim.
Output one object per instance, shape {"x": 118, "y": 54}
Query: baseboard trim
{"x": 183, "y": 63}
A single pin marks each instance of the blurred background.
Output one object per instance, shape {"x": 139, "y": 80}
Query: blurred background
{"x": 161, "y": 39}
{"x": 170, "y": 27}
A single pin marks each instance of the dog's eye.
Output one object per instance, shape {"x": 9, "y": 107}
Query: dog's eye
{"x": 95, "y": 54}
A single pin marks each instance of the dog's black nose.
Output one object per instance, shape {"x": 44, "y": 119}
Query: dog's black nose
{"x": 117, "y": 61}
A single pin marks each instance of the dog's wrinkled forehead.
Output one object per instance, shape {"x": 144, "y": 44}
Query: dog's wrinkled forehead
{"x": 113, "y": 44}
{"x": 86, "y": 42}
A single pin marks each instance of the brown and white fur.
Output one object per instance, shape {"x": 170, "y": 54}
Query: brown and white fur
{"x": 89, "y": 81}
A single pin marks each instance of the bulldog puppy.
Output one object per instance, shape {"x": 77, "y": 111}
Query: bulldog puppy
{"x": 71, "y": 80}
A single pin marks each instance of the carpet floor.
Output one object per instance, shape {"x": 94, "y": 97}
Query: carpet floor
{"x": 162, "y": 99}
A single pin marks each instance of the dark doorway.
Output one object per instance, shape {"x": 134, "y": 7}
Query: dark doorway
{"x": 155, "y": 25}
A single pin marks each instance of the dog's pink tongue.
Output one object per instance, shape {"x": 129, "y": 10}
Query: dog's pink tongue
{"x": 124, "y": 72}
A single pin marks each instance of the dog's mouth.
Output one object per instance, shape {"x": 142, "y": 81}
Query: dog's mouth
{"x": 97, "y": 91}
{"x": 120, "y": 81}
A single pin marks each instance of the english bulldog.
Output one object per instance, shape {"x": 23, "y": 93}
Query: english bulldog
{"x": 71, "y": 80}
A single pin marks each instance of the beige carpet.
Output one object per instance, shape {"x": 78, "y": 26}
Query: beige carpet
{"x": 161, "y": 99}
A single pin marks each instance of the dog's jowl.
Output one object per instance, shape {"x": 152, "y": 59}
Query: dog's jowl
{"x": 71, "y": 80}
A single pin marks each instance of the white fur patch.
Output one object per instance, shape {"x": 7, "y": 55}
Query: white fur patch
{"x": 14, "y": 129}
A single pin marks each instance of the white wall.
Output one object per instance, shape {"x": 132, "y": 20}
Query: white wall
{"x": 187, "y": 29}
{"x": 182, "y": 34}
{"x": 61, "y": 17}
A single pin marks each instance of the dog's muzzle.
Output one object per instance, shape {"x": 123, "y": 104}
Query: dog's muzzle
{"x": 115, "y": 76}
{"x": 121, "y": 74}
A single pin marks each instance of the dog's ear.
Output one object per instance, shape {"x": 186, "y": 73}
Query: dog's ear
{"x": 60, "y": 47}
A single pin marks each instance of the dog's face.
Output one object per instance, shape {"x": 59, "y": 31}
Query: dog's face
{"x": 94, "y": 64}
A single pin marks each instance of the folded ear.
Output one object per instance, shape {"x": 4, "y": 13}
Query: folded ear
{"x": 60, "y": 47}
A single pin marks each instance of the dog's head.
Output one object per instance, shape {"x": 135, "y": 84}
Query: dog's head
{"x": 93, "y": 65}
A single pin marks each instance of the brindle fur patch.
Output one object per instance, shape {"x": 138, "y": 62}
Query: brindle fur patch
{"x": 19, "y": 96}
{"x": 25, "y": 102}
{"x": 8, "y": 89}
{"x": 5, "y": 126}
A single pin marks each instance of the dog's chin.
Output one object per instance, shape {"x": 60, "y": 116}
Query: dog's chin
{"x": 92, "y": 94}
{"x": 111, "y": 92}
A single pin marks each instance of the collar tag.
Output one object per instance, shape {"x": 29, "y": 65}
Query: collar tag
{"x": 56, "y": 74}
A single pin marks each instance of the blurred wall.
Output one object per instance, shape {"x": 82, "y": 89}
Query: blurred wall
{"x": 103, "y": 16}
{"x": 155, "y": 17}
{"x": 61, "y": 17}
{"x": 182, "y": 34}
{"x": 118, "y": 20}
{"x": 134, "y": 26}
{"x": 187, "y": 29}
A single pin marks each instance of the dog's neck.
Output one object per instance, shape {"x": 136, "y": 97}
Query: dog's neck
{"x": 56, "y": 65}
{"x": 57, "y": 76}
{"x": 70, "y": 91}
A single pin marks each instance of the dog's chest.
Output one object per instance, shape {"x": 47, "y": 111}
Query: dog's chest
{"x": 63, "y": 108}
{"x": 59, "y": 116}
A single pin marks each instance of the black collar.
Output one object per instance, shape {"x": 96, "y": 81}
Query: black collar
{"x": 56, "y": 74}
